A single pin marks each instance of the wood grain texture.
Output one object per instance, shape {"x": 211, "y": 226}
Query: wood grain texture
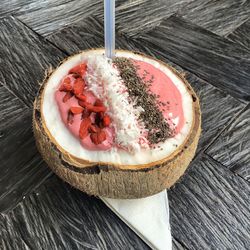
{"x": 242, "y": 35}
{"x": 139, "y": 16}
{"x": 212, "y": 58}
{"x": 11, "y": 108}
{"x": 9, "y": 7}
{"x": 214, "y": 117}
{"x": 132, "y": 17}
{"x": 56, "y": 216}
{"x": 232, "y": 148}
{"x": 24, "y": 59}
{"x": 220, "y": 17}
{"x": 22, "y": 168}
{"x": 46, "y": 17}
{"x": 86, "y": 34}
{"x": 177, "y": 246}
{"x": 210, "y": 208}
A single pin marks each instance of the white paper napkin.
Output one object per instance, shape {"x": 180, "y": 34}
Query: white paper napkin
{"x": 147, "y": 217}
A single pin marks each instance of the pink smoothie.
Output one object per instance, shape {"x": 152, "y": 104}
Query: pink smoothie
{"x": 167, "y": 93}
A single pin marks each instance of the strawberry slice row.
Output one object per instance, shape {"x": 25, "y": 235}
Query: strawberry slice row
{"x": 101, "y": 119}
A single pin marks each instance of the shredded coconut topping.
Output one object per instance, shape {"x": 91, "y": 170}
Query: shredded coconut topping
{"x": 105, "y": 82}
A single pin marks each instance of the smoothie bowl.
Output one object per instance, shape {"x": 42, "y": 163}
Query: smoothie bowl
{"x": 121, "y": 128}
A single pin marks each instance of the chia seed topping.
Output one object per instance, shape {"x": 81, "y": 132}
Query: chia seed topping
{"x": 138, "y": 90}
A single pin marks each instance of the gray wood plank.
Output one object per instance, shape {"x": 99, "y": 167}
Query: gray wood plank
{"x": 220, "y": 17}
{"x": 9, "y": 7}
{"x": 218, "y": 109}
{"x": 176, "y": 245}
{"x": 57, "y": 216}
{"x": 216, "y": 60}
{"x": 210, "y": 208}
{"x": 86, "y": 34}
{"x": 24, "y": 58}
{"x": 22, "y": 168}
{"x": 132, "y": 17}
{"x": 232, "y": 148}
{"x": 139, "y": 16}
{"x": 11, "y": 108}
{"x": 241, "y": 35}
{"x": 46, "y": 17}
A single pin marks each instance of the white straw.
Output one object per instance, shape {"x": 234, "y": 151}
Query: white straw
{"x": 109, "y": 27}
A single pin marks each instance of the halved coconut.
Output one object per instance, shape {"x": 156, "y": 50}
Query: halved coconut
{"x": 114, "y": 173}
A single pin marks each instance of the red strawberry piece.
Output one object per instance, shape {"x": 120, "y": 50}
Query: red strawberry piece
{"x": 70, "y": 117}
{"x": 67, "y": 96}
{"x": 83, "y": 132}
{"x": 79, "y": 85}
{"x": 66, "y": 85}
{"x": 79, "y": 69}
{"x": 76, "y": 110}
{"x": 81, "y": 97}
{"x": 106, "y": 120}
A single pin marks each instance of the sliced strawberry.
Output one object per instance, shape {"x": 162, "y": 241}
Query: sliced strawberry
{"x": 79, "y": 69}
{"x": 66, "y": 85}
{"x": 106, "y": 120}
{"x": 83, "y": 132}
{"x": 67, "y": 96}
{"x": 76, "y": 110}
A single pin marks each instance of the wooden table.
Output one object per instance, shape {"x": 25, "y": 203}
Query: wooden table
{"x": 208, "y": 41}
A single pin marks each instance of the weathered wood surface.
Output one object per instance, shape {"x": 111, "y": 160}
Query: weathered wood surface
{"x": 232, "y": 148}
{"x": 56, "y": 216}
{"x": 24, "y": 58}
{"x": 210, "y": 208}
{"x": 241, "y": 35}
{"x": 220, "y": 17}
{"x": 210, "y": 204}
